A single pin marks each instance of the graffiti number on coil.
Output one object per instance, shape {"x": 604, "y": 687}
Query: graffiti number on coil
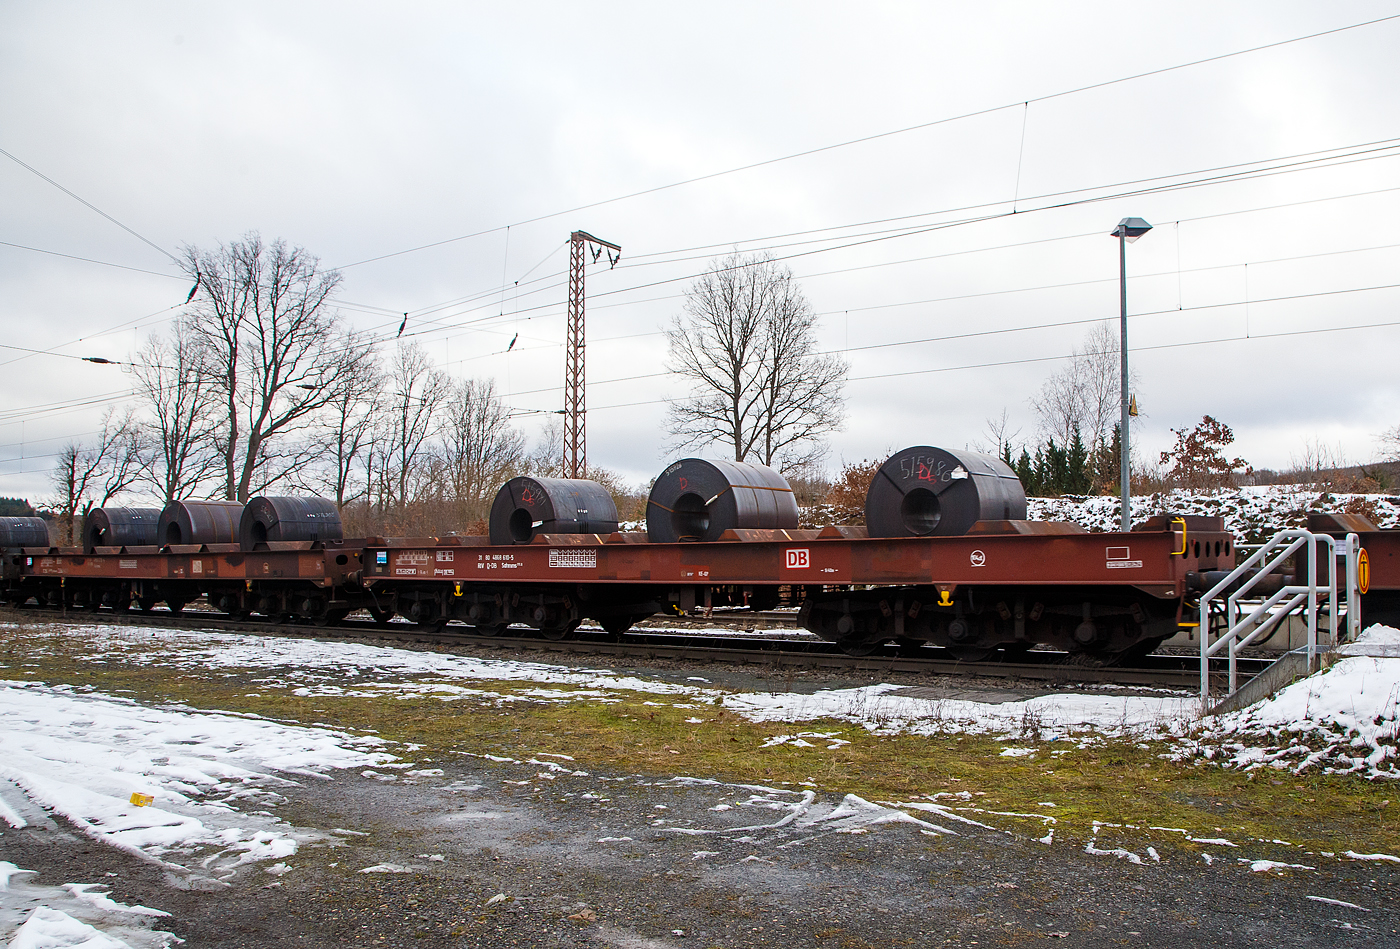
{"x": 923, "y": 468}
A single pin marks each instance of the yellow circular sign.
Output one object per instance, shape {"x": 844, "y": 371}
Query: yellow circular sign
{"x": 1363, "y": 571}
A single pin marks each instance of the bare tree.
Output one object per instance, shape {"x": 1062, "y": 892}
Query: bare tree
{"x": 274, "y": 351}
{"x": 547, "y": 457}
{"x": 481, "y": 448}
{"x": 86, "y": 475}
{"x": 416, "y": 390}
{"x": 1084, "y": 394}
{"x": 1390, "y": 444}
{"x": 181, "y": 432}
{"x": 746, "y": 343}
{"x": 1000, "y": 436}
{"x": 546, "y": 460}
{"x": 346, "y": 429}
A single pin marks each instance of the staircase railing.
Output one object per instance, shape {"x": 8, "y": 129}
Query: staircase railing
{"x": 1241, "y": 628}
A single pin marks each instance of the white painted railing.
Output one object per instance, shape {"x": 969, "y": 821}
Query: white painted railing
{"x": 1245, "y": 622}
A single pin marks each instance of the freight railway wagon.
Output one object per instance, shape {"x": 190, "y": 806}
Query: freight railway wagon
{"x": 946, "y": 556}
{"x": 1379, "y": 579}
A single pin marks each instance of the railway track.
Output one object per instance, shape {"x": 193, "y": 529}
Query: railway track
{"x": 796, "y": 651}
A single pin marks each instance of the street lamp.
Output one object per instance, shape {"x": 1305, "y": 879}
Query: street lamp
{"x": 1129, "y": 229}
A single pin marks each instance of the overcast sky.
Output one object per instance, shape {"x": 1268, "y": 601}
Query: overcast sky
{"x": 360, "y": 133}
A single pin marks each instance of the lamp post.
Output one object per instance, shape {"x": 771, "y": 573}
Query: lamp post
{"x": 1128, "y": 230}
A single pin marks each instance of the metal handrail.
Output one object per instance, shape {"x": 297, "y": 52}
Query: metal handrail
{"x": 1241, "y": 630}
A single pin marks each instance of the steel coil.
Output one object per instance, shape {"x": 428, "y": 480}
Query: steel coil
{"x": 199, "y": 522}
{"x": 121, "y": 527}
{"x": 288, "y": 519}
{"x": 699, "y": 499}
{"x": 24, "y": 532}
{"x": 525, "y": 507}
{"x": 924, "y": 491}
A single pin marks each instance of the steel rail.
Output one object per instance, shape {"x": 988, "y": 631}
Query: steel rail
{"x": 1041, "y": 666}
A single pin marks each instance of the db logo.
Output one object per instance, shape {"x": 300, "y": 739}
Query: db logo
{"x": 978, "y": 558}
{"x": 797, "y": 558}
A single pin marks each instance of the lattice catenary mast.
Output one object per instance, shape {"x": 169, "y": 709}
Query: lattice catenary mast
{"x": 575, "y": 450}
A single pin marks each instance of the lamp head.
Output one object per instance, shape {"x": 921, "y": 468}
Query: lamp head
{"x": 1131, "y": 228}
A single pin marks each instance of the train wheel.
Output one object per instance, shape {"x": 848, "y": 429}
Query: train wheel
{"x": 494, "y": 629}
{"x": 175, "y": 606}
{"x": 859, "y": 647}
{"x": 558, "y": 633}
{"x": 1138, "y": 651}
{"x": 381, "y": 617}
{"x": 617, "y": 623}
{"x": 331, "y": 618}
{"x": 146, "y": 603}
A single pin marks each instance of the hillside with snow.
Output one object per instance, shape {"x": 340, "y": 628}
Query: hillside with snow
{"x": 1253, "y": 514}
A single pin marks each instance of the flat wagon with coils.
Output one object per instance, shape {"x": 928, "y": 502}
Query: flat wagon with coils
{"x": 959, "y": 566}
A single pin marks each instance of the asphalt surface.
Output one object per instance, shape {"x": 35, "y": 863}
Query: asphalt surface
{"x": 534, "y": 853}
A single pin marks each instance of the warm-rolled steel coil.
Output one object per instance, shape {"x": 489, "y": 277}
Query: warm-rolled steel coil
{"x": 199, "y": 522}
{"x": 24, "y": 532}
{"x": 525, "y": 507}
{"x": 121, "y": 527}
{"x": 299, "y": 519}
{"x": 699, "y": 499}
{"x": 923, "y": 491}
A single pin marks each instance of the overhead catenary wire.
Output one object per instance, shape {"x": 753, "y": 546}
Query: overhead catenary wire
{"x": 1055, "y": 325}
{"x": 1025, "y": 104}
{"x": 922, "y": 230}
{"x": 476, "y": 325}
{"x": 993, "y": 293}
{"x": 1238, "y": 171}
{"x": 1253, "y": 172}
{"x": 90, "y": 260}
{"x": 1281, "y": 164}
{"x": 1063, "y": 356}
{"x": 81, "y": 200}
{"x": 15, "y": 416}
{"x": 887, "y": 134}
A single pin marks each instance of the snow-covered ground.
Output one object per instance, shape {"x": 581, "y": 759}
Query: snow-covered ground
{"x": 195, "y": 792}
{"x": 1343, "y": 721}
